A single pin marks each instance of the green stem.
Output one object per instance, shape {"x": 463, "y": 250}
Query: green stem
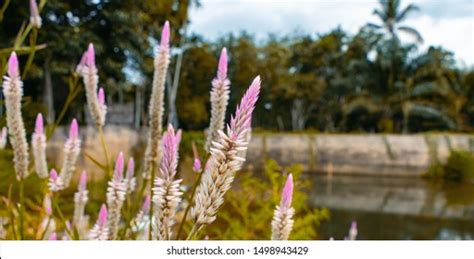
{"x": 31, "y": 56}
{"x": 61, "y": 216}
{"x": 2, "y": 10}
{"x": 193, "y": 232}
{"x": 135, "y": 208}
{"x": 191, "y": 199}
{"x": 104, "y": 147}
{"x": 46, "y": 228}
{"x": 151, "y": 204}
{"x": 74, "y": 91}
{"x": 12, "y": 215}
{"x": 22, "y": 210}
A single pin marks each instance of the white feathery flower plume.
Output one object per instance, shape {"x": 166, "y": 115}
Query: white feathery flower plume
{"x": 130, "y": 180}
{"x": 13, "y": 91}
{"x": 80, "y": 201}
{"x": 197, "y": 167}
{"x": 166, "y": 190}
{"x": 55, "y": 182}
{"x": 48, "y": 225}
{"x": 95, "y": 100}
{"x": 156, "y": 106}
{"x": 72, "y": 148}
{"x": 353, "y": 231}
{"x": 219, "y": 99}
{"x": 38, "y": 145}
{"x": 224, "y": 161}
{"x": 3, "y": 138}
{"x": 116, "y": 192}
{"x": 100, "y": 231}
{"x": 35, "y": 18}
{"x": 282, "y": 222}
{"x": 141, "y": 223}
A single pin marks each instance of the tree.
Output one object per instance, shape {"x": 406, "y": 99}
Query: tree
{"x": 392, "y": 16}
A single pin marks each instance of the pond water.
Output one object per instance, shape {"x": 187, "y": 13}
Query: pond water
{"x": 394, "y": 208}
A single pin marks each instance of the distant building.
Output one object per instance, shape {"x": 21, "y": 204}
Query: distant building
{"x": 117, "y": 114}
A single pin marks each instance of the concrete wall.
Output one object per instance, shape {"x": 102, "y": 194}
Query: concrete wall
{"x": 400, "y": 155}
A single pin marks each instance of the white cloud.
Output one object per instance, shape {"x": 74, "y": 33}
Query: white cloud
{"x": 446, "y": 23}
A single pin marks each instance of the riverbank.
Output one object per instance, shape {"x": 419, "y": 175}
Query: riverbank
{"x": 352, "y": 154}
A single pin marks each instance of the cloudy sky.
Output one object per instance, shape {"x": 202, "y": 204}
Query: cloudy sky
{"x": 446, "y": 23}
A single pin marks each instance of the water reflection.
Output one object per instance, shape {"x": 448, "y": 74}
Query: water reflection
{"x": 395, "y": 208}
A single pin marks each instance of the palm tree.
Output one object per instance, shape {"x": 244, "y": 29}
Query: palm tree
{"x": 392, "y": 18}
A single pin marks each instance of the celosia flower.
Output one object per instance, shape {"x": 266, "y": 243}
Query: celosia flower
{"x": 82, "y": 64}
{"x": 197, "y": 168}
{"x": 224, "y": 161}
{"x": 116, "y": 191}
{"x": 130, "y": 181}
{"x": 48, "y": 225}
{"x": 282, "y": 222}
{"x": 219, "y": 100}
{"x": 38, "y": 145}
{"x": 35, "y": 18}
{"x": 166, "y": 192}
{"x": 3, "y": 138}
{"x": 353, "y": 231}
{"x": 90, "y": 77}
{"x": 53, "y": 237}
{"x": 71, "y": 150}
{"x": 142, "y": 220}
{"x": 48, "y": 209}
{"x": 161, "y": 63}
{"x": 100, "y": 231}
{"x": 55, "y": 182}
{"x": 80, "y": 201}
{"x": 13, "y": 91}
{"x": 102, "y": 105}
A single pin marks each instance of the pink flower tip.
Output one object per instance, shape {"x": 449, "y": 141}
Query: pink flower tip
{"x": 102, "y": 216}
{"x": 34, "y": 8}
{"x": 197, "y": 165}
{"x": 74, "y": 130}
{"x": 13, "y": 69}
{"x": 287, "y": 193}
{"x": 165, "y": 36}
{"x": 83, "y": 181}
{"x": 53, "y": 175}
{"x": 90, "y": 55}
{"x": 130, "y": 168}
{"x": 257, "y": 81}
{"x": 47, "y": 205}
{"x": 53, "y": 237}
{"x": 222, "y": 68}
{"x": 39, "y": 129}
{"x": 354, "y": 225}
{"x": 146, "y": 204}
{"x": 101, "y": 96}
{"x": 119, "y": 165}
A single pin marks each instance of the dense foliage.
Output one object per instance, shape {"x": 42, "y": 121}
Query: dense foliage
{"x": 250, "y": 206}
{"x": 333, "y": 81}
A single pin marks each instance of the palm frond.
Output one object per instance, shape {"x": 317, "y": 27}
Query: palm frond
{"x": 403, "y": 14}
{"x": 373, "y": 26}
{"x": 361, "y": 102}
{"x": 412, "y": 32}
{"x": 432, "y": 113}
{"x": 380, "y": 14}
{"x": 427, "y": 88}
